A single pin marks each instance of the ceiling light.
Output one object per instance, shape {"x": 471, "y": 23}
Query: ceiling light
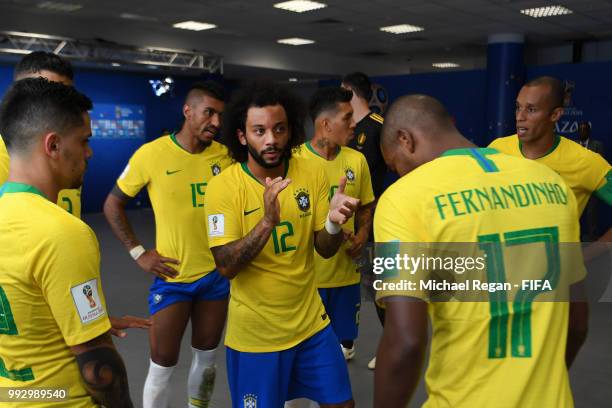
{"x": 300, "y": 6}
{"x": 293, "y": 79}
{"x": 445, "y": 65}
{"x": 401, "y": 29}
{"x": 137, "y": 17}
{"x": 56, "y": 6}
{"x": 115, "y": 64}
{"x": 546, "y": 11}
{"x": 194, "y": 25}
{"x": 295, "y": 41}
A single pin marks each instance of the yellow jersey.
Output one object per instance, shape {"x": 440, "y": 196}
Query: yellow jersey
{"x": 341, "y": 270}
{"x": 496, "y": 353}
{"x": 274, "y": 303}
{"x": 69, "y": 200}
{"x": 176, "y": 181}
{"x": 4, "y": 162}
{"x": 50, "y": 295}
{"x": 584, "y": 171}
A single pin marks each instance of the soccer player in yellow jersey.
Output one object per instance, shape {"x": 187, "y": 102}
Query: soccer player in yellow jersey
{"x": 54, "y": 68}
{"x": 539, "y": 105}
{"x": 54, "y": 329}
{"x": 338, "y": 277}
{"x": 497, "y": 353}
{"x": 266, "y": 215}
{"x": 176, "y": 170}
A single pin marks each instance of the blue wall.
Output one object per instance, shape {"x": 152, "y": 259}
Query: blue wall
{"x": 111, "y": 156}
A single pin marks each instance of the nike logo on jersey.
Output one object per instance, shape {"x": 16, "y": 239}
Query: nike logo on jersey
{"x": 169, "y": 172}
{"x": 252, "y": 211}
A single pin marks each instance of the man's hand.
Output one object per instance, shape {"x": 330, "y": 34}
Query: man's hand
{"x": 358, "y": 241}
{"x": 342, "y": 207}
{"x": 151, "y": 261}
{"x": 271, "y": 203}
{"x": 119, "y": 324}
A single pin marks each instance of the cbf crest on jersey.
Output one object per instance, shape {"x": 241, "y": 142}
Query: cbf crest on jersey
{"x": 303, "y": 199}
{"x": 250, "y": 401}
{"x": 215, "y": 168}
{"x": 350, "y": 174}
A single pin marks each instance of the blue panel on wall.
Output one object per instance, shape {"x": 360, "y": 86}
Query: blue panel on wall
{"x": 115, "y": 121}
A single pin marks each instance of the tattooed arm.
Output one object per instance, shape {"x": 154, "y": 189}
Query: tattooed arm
{"x": 103, "y": 372}
{"x": 231, "y": 258}
{"x": 150, "y": 261}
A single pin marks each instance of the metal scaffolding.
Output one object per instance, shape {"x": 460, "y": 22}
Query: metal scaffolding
{"x": 100, "y": 51}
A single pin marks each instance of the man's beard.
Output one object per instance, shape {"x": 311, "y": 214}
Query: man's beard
{"x": 286, "y": 153}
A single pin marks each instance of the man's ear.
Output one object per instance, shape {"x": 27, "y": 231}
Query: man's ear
{"x": 241, "y": 137}
{"x": 406, "y": 140}
{"x": 556, "y": 114}
{"x": 186, "y": 110}
{"x": 51, "y": 143}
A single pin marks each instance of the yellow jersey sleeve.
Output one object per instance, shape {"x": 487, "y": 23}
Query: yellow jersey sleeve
{"x": 4, "y": 162}
{"x": 223, "y": 217}
{"x": 366, "y": 192}
{"x": 135, "y": 176}
{"x": 70, "y": 281}
{"x": 322, "y": 201}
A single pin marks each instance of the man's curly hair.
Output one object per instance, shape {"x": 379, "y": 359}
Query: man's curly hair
{"x": 261, "y": 94}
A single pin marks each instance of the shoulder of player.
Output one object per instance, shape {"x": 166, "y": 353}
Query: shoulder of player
{"x": 375, "y": 117}
{"x": 576, "y": 149}
{"x": 229, "y": 176}
{"x": 156, "y": 146}
{"x": 56, "y": 225}
{"x": 504, "y": 141}
{"x": 353, "y": 155}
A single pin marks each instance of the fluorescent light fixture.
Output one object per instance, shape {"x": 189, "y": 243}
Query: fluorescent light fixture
{"x": 293, "y": 79}
{"x": 401, "y": 29}
{"x": 57, "y": 6}
{"x": 194, "y": 25}
{"x": 295, "y": 41}
{"x": 300, "y": 6}
{"x": 546, "y": 11}
{"x": 445, "y": 65}
{"x": 115, "y": 64}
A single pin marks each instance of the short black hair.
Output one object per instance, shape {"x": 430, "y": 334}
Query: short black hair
{"x": 557, "y": 89}
{"x": 34, "y": 106}
{"x": 38, "y": 61}
{"x": 260, "y": 94}
{"x": 210, "y": 88}
{"x": 326, "y": 99}
{"x": 360, "y": 84}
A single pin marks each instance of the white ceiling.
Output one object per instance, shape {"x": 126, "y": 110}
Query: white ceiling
{"x": 455, "y": 30}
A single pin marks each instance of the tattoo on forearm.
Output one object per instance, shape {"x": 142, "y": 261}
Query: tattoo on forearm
{"x": 115, "y": 214}
{"x": 105, "y": 377}
{"x": 241, "y": 252}
{"x": 364, "y": 217}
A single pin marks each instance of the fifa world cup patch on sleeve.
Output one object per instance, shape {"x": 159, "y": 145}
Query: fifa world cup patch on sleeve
{"x": 216, "y": 225}
{"x": 87, "y": 301}
{"x": 124, "y": 172}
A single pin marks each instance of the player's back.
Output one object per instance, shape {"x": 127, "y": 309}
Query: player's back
{"x": 499, "y": 353}
{"x": 35, "y": 324}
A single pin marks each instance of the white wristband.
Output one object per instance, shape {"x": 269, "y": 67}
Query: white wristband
{"x": 137, "y": 251}
{"x": 332, "y": 227}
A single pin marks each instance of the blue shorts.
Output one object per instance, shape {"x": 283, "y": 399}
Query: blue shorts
{"x": 342, "y": 304}
{"x": 314, "y": 369}
{"x": 162, "y": 294}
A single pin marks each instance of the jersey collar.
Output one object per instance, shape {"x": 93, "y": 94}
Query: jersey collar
{"x": 246, "y": 169}
{"x": 469, "y": 152}
{"x": 312, "y": 149}
{"x": 11, "y": 187}
{"x": 552, "y": 149}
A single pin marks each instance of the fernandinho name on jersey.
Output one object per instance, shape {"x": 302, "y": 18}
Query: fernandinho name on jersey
{"x": 508, "y": 197}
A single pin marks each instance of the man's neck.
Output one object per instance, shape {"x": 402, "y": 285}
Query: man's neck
{"x": 324, "y": 147}
{"x": 261, "y": 172}
{"x": 32, "y": 174}
{"x": 451, "y": 142}
{"x": 539, "y": 147}
{"x": 360, "y": 110}
{"x": 189, "y": 142}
